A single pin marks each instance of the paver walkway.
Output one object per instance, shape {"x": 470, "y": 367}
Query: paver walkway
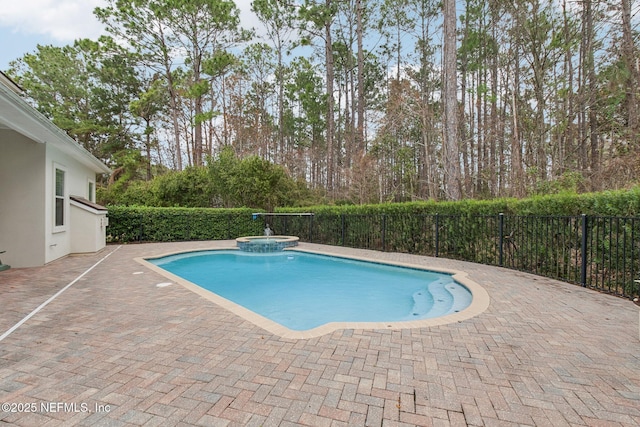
{"x": 115, "y": 349}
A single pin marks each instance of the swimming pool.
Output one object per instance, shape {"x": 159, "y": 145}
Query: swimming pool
{"x": 303, "y": 291}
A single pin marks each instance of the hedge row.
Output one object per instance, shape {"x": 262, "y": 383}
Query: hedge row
{"x": 621, "y": 203}
{"x": 151, "y": 224}
{"x": 170, "y": 224}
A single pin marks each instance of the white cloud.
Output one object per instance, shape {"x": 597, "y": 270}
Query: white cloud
{"x": 247, "y": 17}
{"x": 27, "y": 23}
{"x": 61, "y": 20}
{"x": 68, "y": 20}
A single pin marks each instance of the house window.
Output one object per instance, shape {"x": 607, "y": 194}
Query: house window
{"x": 59, "y": 198}
{"x": 91, "y": 191}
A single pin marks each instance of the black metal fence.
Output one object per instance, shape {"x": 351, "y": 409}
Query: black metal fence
{"x": 598, "y": 252}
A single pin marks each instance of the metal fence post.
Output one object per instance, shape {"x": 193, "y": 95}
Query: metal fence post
{"x": 501, "y": 237}
{"x": 342, "y": 221}
{"x": 583, "y": 267}
{"x": 310, "y": 228}
{"x": 437, "y": 234}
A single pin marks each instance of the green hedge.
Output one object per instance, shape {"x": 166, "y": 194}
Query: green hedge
{"x": 170, "y": 224}
{"x": 406, "y": 220}
{"x": 150, "y": 224}
{"x": 623, "y": 203}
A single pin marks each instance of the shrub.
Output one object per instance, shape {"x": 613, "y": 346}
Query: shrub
{"x": 152, "y": 224}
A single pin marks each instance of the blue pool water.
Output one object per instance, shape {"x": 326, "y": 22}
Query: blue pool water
{"x": 302, "y": 291}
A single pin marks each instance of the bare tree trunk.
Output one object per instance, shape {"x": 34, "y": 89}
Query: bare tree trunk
{"x": 496, "y": 178}
{"x": 331, "y": 154}
{"x": 566, "y": 141}
{"x": 450, "y": 97}
{"x": 284, "y": 148}
{"x": 361, "y": 99}
{"x": 225, "y": 118}
{"x": 630, "y": 57}
{"x": 586, "y": 98}
{"x": 517, "y": 171}
{"x": 197, "y": 140}
{"x": 173, "y": 102}
{"x": 197, "y": 137}
{"x": 590, "y": 74}
{"x": 467, "y": 136}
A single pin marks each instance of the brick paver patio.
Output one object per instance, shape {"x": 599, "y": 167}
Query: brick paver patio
{"x": 115, "y": 349}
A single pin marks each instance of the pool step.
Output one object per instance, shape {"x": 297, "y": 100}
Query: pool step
{"x": 435, "y": 300}
{"x": 442, "y": 298}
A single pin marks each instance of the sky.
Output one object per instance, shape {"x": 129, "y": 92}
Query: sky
{"x": 24, "y": 24}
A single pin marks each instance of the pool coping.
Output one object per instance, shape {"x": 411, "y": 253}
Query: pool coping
{"x": 479, "y": 303}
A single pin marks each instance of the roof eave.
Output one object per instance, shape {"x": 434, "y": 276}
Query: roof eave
{"x": 29, "y": 122}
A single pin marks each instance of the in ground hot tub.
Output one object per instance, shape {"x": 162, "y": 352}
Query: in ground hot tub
{"x": 266, "y": 243}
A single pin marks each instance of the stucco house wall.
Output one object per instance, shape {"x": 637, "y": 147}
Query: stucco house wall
{"x": 31, "y": 150}
{"x": 92, "y": 219}
{"x": 22, "y": 202}
{"x": 77, "y": 176}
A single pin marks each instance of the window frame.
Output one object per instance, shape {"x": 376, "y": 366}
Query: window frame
{"x": 91, "y": 190}
{"x": 63, "y": 199}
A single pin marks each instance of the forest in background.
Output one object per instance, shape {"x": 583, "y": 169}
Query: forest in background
{"x": 363, "y": 102}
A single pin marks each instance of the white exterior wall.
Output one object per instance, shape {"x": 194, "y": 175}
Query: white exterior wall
{"x": 31, "y": 147}
{"x": 89, "y": 229}
{"x": 27, "y": 202}
{"x": 22, "y": 205}
{"x": 77, "y": 177}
